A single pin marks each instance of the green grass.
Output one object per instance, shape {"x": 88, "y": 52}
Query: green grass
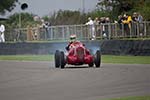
{"x": 133, "y": 98}
{"x": 27, "y": 57}
{"x": 105, "y": 58}
{"x": 126, "y": 59}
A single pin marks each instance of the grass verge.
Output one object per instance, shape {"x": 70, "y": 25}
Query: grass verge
{"x": 105, "y": 58}
{"x": 126, "y": 59}
{"x": 133, "y": 98}
{"x": 27, "y": 57}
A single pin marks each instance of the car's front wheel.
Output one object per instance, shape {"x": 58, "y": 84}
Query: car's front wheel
{"x": 97, "y": 59}
{"x": 57, "y": 59}
{"x": 62, "y": 60}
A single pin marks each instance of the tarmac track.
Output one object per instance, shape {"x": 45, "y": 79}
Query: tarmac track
{"x": 27, "y": 80}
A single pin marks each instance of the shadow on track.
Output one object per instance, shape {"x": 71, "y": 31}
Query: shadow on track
{"x": 78, "y": 67}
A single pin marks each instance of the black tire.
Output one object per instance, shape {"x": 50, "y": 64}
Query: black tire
{"x": 62, "y": 60}
{"x": 57, "y": 59}
{"x": 97, "y": 60}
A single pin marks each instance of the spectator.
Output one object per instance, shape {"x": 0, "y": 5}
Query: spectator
{"x": 91, "y": 27}
{"x": 127, "y": 24}
{"x": 102, "y": 22}
{"x": 120, "y": 21}
{"x": 96, "y": 21}
{"x": 107, "y": 21}
{"x": 48, "y": 30}
{"x": 46, "y": 25}
{"x": 2, "y": 30}
{"x": 29, "y": 33}
{"x": 135, "y": 24}
{"x": 134, "y": 17}
{"x": 140, "y": 18}
{"x": 97, "y": 26}
{"x": 36, "y": 34}
{"x": 141, "y": 25}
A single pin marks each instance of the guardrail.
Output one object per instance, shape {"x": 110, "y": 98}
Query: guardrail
{"x": 83, "y": 32}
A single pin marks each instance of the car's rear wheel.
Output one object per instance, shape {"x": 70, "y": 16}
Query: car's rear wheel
{"x": 62, "y": 60}
{"x": 57, "y": 59}
{"x": 97, "y": 59}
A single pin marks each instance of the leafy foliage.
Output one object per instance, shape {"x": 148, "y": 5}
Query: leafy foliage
{"x": 65, "y": 17}
{"x": 26, "y": 19}
{"x": 145, "y": 10}
{"x": 7, "y": 5}
{"x": 117, "y": 7}
{"x": 68, "y": 17}
{"x": 105, "y": 8}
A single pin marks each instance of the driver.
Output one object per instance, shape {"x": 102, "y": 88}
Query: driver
{"x": 72, "y": 40}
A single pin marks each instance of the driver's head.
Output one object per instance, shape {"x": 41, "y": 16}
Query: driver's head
{"x": 72, "y": 38}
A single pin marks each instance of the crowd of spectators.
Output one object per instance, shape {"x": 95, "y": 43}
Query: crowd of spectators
{"x": 126, "y": 22}
{"x": 38, "y": 31}
{"x": 98, "y": 26}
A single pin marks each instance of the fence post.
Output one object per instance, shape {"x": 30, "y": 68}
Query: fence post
{"x": 145, "y": 32}
{"x": 109, "y": 31}
{"x": 123, "y": 30}
{"x": 63, "y": 32}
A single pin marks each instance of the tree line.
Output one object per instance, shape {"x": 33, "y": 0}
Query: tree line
{"x": 104, "y": 8}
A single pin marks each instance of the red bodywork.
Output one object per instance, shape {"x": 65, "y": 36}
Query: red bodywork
{"x": 78, "y": 54}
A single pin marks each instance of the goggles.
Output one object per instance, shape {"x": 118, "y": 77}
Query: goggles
{"x": 72, "y": 38}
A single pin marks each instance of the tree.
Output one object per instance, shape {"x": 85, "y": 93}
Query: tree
{"x": 65, "y": 17}
{"x": 144, "y": 9}
{"x": 117, "y": 7}
{"x": 26, "y": 19}
{"x": 7, "y": 5}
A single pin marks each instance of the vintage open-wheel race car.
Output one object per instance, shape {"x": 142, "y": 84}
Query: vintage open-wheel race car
{"x": 78, "y": 54}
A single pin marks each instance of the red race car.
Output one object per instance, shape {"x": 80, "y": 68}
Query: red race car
{"x": 77, "y": 54}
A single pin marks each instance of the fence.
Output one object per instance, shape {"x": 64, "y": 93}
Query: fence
{"x": 83, "y": 32}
